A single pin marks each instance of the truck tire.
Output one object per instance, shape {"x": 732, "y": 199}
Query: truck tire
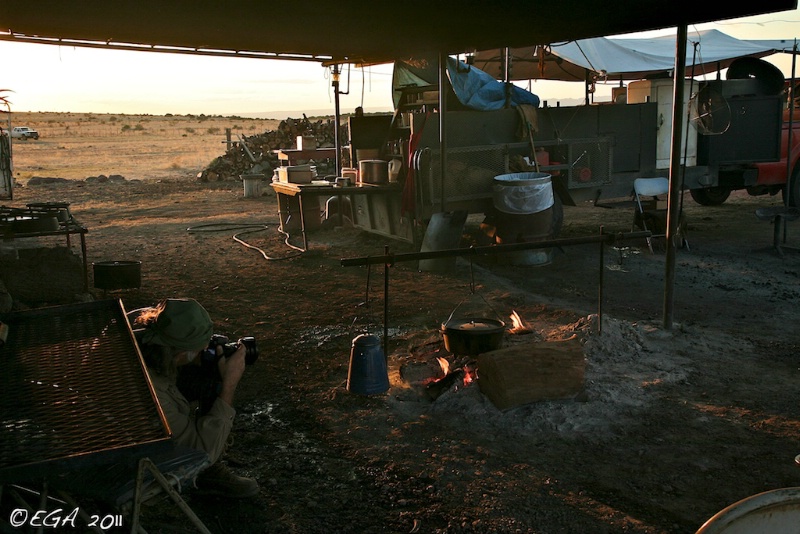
{"x": 711, "y": 196}
{"x": 794, "y": 192}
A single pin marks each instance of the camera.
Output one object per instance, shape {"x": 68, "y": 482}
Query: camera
{"x": 201, "y": 382}
{"x": 229, "y": 347}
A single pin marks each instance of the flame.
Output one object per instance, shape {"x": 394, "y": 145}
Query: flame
{"x": 469, "y": 375}
{"x": 519, "y": 326}
{"x": 445, "y": 365}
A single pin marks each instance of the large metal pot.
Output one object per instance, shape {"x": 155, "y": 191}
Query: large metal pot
{"x": 373, "y": 171}
{"x": 110, "y": 275}
{"x": 473, "y": 335}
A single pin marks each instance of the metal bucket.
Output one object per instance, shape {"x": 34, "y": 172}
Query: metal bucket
{"x": 110, "y": 275}
{"x": 367, "y": 374}
{"x": 252, "y": 185}
{"x": 523, "y": 204}
{"x": 373, "y": 171}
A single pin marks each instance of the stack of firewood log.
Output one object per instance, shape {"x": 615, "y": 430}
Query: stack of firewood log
{"x": 256, "y": 153}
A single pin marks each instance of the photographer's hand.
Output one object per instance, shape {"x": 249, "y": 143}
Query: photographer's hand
{"x": 231, "y": 370}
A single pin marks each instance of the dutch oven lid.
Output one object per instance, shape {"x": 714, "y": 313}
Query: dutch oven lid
{"x": 477, "y": 325}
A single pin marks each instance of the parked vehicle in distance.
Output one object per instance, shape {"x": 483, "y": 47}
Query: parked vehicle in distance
{"x": 23, "y": 132}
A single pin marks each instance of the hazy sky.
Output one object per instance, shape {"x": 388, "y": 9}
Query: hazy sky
{"x": 60, "y": 78}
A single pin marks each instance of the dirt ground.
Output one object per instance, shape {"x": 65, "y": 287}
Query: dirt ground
{"x": 673, "y": 425}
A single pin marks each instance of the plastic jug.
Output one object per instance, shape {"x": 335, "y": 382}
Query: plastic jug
{"x": 394, "y": 169}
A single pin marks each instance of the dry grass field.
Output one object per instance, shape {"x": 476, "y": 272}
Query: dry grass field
{"x": 138, "y": 147}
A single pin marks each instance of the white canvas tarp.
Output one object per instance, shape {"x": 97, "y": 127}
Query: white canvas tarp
{"x": 625, "y": 59}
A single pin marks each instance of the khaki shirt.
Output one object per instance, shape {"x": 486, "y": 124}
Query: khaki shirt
{"x": 207, "y": 433}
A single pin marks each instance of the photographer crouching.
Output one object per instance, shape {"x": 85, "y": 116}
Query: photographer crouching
{"x": 187, "y": 360}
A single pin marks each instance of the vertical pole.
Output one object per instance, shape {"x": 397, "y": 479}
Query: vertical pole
{"x": 674, "y": 176}
{"x": 600, "y": 284}
{"x": 442, "y": 124}
{"x": 788, "y": 200}
{"x": 386, "y": 302}
{"x": 507, "y": 76}
{"x": 336, "y": 118}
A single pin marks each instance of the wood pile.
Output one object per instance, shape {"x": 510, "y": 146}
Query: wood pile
{"x": 255, "y": 153}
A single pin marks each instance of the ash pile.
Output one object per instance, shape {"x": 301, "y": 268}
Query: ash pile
{"x": 257, "y": 153}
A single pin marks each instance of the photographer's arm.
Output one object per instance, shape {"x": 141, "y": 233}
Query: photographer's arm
{"x": 231, "y": 370}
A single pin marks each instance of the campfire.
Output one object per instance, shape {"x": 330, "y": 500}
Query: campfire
{"x": 454, "y": 379}
{"x": 527, "y": 369}
{"x": 518, "y": 325}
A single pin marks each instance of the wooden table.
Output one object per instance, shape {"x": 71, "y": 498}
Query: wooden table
{"x": 291, "y": 197}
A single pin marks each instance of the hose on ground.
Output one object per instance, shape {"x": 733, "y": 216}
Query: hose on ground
{"x": 246, "y": 229}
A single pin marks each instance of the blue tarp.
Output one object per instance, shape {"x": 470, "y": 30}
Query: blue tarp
{"x": 474, "y": 88}
{"x": 480, "y": 91}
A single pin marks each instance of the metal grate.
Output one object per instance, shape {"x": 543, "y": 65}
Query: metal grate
{"x": 590, "y": 163}
{"x": 72, "y": 385}
{"x": 471, "y": 172}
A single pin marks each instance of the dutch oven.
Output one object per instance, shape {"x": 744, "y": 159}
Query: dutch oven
{"x": 110, "y": 275}
{"x": 472, "y": 336}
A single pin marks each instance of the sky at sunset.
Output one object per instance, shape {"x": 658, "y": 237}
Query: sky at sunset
{"x": 74, "y": 79}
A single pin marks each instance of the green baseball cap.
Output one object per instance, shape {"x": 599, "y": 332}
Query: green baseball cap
{"x": 182, "y": 323}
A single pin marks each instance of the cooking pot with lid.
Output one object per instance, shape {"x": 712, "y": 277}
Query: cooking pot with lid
{"x": 471, "y": 336}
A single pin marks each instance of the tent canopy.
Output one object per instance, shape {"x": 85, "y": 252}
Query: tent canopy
{"x": 623, "y": 58}
{"x": 347, "y": 30}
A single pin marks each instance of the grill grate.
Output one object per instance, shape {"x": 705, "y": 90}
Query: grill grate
{"x": 73, "y": 384}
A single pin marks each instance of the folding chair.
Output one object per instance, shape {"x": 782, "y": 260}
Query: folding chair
{"x": 647, "y": 209}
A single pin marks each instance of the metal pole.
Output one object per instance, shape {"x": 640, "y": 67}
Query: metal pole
{"x": 674, "y": 176}
{"x": 391, "y": 259}
{"x": 386, "y": 266}
{"x": 787, "y": 197}
{"x": 442, "y": 124}
{"x": 337, "y": 118}
{"x": 600, "y": 283}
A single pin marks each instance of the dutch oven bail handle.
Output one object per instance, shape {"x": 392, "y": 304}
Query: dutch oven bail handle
{"x": 472, "y": 294}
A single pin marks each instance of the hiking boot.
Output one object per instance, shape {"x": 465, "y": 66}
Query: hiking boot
{"x": 218, "y": 480}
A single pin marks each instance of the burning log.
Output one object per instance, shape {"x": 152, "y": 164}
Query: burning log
{"x": 435, "y": 389}
{"x": 532, "y": 372}
{"x": 461, "y": 377}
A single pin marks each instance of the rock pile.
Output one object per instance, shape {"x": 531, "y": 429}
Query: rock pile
{"x": 256, "y": 153}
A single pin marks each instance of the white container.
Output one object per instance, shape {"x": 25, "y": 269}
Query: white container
{"x": 253, "y": 185}
{"x": 662, "y": 92}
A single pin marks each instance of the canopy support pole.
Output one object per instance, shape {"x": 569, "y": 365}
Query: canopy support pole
{"x": 443, "y": 124}
{"x": 673, "y": 202}
{"x": 337, "y": 118}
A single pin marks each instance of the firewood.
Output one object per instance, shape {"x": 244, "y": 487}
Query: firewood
{"x": 532, "y": 372}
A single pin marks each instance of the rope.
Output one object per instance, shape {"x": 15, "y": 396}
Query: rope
{"x": 247, "y": 229}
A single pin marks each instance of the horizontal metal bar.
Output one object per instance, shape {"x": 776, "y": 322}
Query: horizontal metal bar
{"x": 390, "y": 259}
